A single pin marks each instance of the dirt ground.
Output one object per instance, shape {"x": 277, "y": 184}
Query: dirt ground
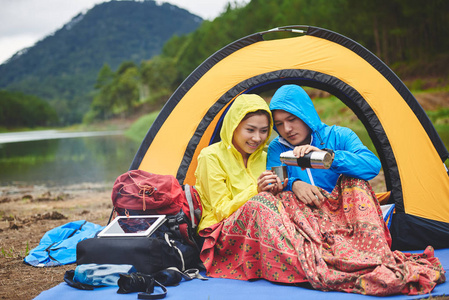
{"x": 26, "y": 213}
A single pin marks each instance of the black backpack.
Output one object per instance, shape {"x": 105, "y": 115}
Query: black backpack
{"x": 174, "y": 244}
{"x": 147, "y": 254}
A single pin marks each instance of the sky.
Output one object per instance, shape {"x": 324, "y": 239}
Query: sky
{"x": 25, "y": 22}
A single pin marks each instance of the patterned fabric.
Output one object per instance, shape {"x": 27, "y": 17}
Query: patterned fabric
{"x": 342, "y": 246}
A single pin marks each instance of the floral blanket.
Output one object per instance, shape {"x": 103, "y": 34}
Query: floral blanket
{"x": 344, "y": 245}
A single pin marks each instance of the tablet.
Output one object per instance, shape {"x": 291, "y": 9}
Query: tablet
{"x": 143, "y": 225}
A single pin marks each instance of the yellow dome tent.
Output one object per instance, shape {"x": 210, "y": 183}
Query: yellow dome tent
{"x": 411, "y": 152}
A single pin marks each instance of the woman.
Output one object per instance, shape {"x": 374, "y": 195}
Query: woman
{"x": 252, "y": 231}
{"x": 228, "y": 172}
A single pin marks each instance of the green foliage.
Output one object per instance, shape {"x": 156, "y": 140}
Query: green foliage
{"x": 139, "y": 129}
{"x": 118, "y": 92}
{"x": 417, "y": 85}
{"x": 148, "y": 47}
{"x": 332, "y": 111}
{"x": 102, "y": 102}
{"x": 12, "y": 253}
{"x": 121, "y": 92}
{"x": 8, "y": 252}
{"x": 395, "y": 30}
{"x": 374, "y": 24}
{"x": 160, "y": 73}
{"x": 62, "y": 68}
{"x": 439, "y": 117}
{"x": 400, "y": 30}
{"x": 125, "y": 90}
{"x": 20, "y": 110}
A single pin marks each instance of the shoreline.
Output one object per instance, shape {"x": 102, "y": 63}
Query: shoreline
{"x": 51, "y": 134}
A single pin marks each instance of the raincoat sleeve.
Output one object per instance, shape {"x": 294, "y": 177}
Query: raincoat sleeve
{"x": 273, "y": 159}
{"x": 354, "y": 159}
{"x": 213, "y": 182}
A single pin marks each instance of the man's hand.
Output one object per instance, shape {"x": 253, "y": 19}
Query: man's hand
{"x": 307, "y": 193}
{"x": 300, "y": 151}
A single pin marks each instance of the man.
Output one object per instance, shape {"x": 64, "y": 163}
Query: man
{"x": 300, "y": 129}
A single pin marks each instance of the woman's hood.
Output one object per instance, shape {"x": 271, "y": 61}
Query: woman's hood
{"x": 293, "y": 99}
{"x": 242, "y": 105}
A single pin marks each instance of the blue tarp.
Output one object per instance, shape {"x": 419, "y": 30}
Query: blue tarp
{"x": 224, "y": 289}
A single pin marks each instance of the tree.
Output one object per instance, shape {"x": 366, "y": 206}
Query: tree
{"x": 21, "y": 110}
{"x": 125, "y": 89}
{"x": 117, "y": 92}
{"x": 160, "y": 74}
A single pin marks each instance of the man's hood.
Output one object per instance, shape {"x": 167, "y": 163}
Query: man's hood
{"x": 293, "y": 99}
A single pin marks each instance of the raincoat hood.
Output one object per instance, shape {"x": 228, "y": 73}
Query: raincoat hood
{"x": 243, "y": 105}
{"x": 223, "y": 180}
{"x": 351, "y": 157}
{"x": 293, "y": 99}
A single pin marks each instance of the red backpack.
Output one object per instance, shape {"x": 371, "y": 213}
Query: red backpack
{"x": 138, "y": 192}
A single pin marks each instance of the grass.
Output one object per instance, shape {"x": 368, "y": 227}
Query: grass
{"x": 332, "y": 111}
{"x": 139, "y": 129}
{"x": 12, "y": 253}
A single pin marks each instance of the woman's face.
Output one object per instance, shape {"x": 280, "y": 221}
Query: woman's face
{"x": 250, "y": 134}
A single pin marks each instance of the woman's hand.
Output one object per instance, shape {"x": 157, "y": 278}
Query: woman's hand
{"x": 270, "y": 182}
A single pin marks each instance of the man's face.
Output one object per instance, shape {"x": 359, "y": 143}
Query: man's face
{"x": 291, "y": 128}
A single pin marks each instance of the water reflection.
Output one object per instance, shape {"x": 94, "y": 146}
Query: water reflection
{"x": 66, "y": 161}
{"x": 95, "y": 159}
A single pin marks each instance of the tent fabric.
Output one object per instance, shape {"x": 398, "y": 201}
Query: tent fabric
{"x": 392, "y": 78}
{"x": 410, "y": 232}
{"x": 411, "y": 152}
{"x": 225, "y": 289}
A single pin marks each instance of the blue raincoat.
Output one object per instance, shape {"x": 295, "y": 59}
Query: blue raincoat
{"x": 352, "y": 158}
{"x": 58, "y": 245}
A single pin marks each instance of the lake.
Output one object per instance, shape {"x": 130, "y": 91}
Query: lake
{"x": 52, "y": 157}
{"x": 56, "y": 158}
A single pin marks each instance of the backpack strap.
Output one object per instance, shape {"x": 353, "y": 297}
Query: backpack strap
{"x": 154, "y": 296}
{"x": 188, "y": 274}
{"x": 172, "y": 244}
{"x": 188, "y": 193}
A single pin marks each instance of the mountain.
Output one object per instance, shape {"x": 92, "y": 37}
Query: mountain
{"x": 62, "y": 68}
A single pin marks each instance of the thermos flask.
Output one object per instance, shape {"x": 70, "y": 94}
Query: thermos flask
{"x": 313, "y": 159}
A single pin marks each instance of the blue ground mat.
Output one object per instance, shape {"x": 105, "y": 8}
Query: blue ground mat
{"x": 225, "y": 289}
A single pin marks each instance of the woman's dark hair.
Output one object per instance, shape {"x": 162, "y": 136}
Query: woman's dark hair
{"x": 257, "y": 113}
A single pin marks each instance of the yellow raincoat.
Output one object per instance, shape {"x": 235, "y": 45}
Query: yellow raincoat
{"x": 223, "y": 182}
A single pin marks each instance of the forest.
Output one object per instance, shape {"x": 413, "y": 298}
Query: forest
{"x": 62, "y": 67}
{"x": 408, "y": 36}
{"x": 20, "y": 110}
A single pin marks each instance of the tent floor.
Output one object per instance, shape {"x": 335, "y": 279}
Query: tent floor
{"x": 225, "y": 289}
